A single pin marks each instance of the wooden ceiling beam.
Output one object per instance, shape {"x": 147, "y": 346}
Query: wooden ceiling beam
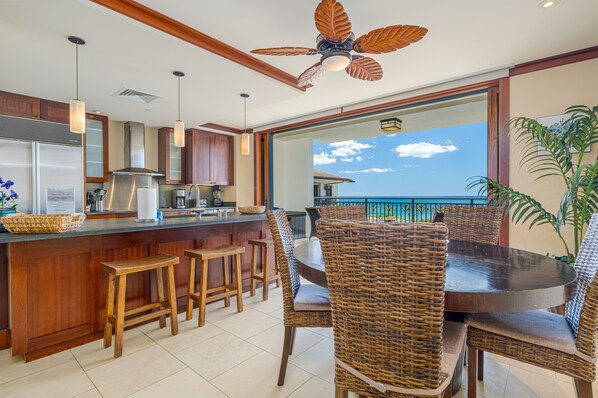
{"x": 170, "y": 26}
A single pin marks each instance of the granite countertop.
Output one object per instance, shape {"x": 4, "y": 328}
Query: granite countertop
{"x": 120, "y": 225}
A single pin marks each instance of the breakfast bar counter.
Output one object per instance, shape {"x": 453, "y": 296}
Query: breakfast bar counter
{"x": 56, "y": 288}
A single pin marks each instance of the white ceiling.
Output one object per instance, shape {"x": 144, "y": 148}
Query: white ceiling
{"x": 465, "y": 37}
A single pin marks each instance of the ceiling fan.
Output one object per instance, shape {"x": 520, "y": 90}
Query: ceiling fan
{"x": 336, "y": 41}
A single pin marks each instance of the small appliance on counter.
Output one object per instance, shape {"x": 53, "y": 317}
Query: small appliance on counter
{"x": 178, "y": 199}
{"x": 217, "y": 193}
{"x": 147, "y": 210}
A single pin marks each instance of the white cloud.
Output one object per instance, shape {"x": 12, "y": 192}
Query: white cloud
{"x": 348, "y": 160}
{"x": 359, "y": 158}
{"x": 348, "y": 148}
{"x": 423, "y": 150}
{"x": 323, "y": 158}
{"x": 372, "y": 170}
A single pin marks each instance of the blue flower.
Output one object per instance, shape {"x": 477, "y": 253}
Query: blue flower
{"x": 13, "y": 194}
{"x": 8, "y": 184}
{"x": 1, "y": 180}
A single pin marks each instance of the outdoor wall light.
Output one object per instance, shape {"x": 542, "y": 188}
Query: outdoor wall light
{"x": 392, "y": 124}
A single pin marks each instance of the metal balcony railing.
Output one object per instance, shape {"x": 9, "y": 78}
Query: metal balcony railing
{"x": 405, "y": 209}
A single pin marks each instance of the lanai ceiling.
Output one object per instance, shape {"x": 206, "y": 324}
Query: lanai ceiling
{"x": 465, "y": 37}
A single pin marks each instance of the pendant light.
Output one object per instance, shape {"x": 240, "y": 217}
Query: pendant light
{"x": 77, "y": 107}
{"x": 179, "y": 126}
{"x": 245, "y": 137}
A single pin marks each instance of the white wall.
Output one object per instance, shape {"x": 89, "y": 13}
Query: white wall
{"x": 293, "y": 174}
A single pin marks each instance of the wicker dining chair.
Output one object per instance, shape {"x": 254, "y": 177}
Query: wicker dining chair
{"x": 479, "y": 224}
{"x": 314, "y": 216}
{"x": 565, "y": 345}
{"x": 304, "y": 305}
{"x": 386, "y": 285}
{"x": 350, "y": 213}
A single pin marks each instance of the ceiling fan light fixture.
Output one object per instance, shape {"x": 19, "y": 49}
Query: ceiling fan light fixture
{"x": 392, "y": 125}
{"x": 336, "y": 62}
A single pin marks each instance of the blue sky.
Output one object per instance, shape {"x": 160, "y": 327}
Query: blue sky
{"x": 434, "y": 162}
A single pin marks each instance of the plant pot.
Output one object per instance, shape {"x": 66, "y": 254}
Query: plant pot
{"x": 4, "y": 211}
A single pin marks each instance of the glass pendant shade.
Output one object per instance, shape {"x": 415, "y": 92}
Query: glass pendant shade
{"x": 335, "y": 63}
{"x": 245, "y": 142}
{"x": 77, "y": 116}
{"x": 179, "y": 133}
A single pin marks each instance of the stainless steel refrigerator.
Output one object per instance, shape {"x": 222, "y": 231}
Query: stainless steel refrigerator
{"x": 41, "y": 157}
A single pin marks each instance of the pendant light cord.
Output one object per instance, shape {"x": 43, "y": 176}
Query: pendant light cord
{"x": 77, "y": 70}
{"x": 179, "y": 84}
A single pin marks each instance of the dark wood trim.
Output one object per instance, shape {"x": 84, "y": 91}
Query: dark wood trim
{"x": 258, "y": 163}
{"x": 184, "y": 32}
{"x": 227, "y": 129}
{"x": 372, "y": 109}
{"x": 4, "y": 339}
{"x": 104, "y": 120}
{"x": 493, "y": 132}
{"x": 19, "y": 105}
{"x": 504, "y": 146}
{"x": 557, "y": 60}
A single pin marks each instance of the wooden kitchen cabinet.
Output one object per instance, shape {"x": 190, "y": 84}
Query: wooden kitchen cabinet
{"x": 210, "y": 158}
{"x": 19, "y": 105}
{"x": 96, "y": 148}
{"x": 54, "y": 111}
{"x": 171, "y": 159}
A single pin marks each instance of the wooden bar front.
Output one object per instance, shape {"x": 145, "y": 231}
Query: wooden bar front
{"x": 57, "y": 288}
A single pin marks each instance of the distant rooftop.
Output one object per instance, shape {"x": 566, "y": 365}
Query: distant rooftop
{"x": 322, "y": 176}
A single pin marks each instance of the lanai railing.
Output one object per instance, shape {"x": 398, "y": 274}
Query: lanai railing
{"x": 406, "y": 209}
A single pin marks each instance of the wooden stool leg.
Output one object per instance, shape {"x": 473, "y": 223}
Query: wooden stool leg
{"x": 265, "y": 272}
{"x": 191, "y": 288}
{"x": 253, "y": 270}
{"x": 227, "y": 282}
{"x": 109, "y": 311}
{"x": 340, "y": 393}
{"x": 480, "y": 365}
{"x": 160, "y": 292}
{"x": 472, "y": 362}
{"x": 174, "y": 322}
{"x": 239, "y": 283}
{"x": 203, "y": 286}
{"x": 120, "y": 316}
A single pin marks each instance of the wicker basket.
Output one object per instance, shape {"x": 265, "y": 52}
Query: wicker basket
{"x": 252, "y": 209}
{"x": 42, "y": 223}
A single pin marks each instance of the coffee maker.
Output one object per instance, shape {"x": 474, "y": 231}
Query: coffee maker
{"x": 178, "y": 199}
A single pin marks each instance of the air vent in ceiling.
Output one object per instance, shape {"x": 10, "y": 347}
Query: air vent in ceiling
{"x": 134, "y": 95}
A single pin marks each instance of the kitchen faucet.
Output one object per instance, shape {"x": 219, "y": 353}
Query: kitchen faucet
{"x": 197, "y": 196}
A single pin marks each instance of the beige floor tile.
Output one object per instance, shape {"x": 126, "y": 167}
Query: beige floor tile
{"x": 279, "y": 313}
{"x": 185, "y": 383}
{"x": 90, "y": 394}
{"x": 217, "y": 355}
{"x": 189, "y": 335}
{"x": 522, "y": 365}
{"x": 495, "y": 379}
{"x": 318, "y": 360}
{"x": 258, "y": 376}
{"x": 526, "y": 384}
{"x": 247, "y": 323}
{"x": 272, "y": 340}
{"x": 314, "y": 388}
{"x": 134, "y": 372}
{"x": 256, "y": 302}
{"x": 326, "y": 332}
{"x": 94, "y": 354}
{"x": 60, "y": 381}
{"x": 14, "y": 367}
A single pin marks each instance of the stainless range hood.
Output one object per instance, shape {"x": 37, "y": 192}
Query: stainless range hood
{"x": 135, "y": 152}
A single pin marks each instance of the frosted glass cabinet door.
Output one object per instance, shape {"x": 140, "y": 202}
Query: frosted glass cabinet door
{"x": 176, "y": 161}
{"x": 16, "y": 164}
{"x": 94, "y": 148}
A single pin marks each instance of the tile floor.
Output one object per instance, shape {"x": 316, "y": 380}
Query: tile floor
{"x": 234, "y": 355}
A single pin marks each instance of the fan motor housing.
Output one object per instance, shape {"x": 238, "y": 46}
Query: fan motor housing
{"x": 325, "y": 46}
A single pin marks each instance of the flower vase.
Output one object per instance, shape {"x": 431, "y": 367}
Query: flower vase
{"x": 4, "y": 211}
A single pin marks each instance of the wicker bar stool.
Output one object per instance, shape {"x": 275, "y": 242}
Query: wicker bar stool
{"x": 116, "y": 319}
{"x": 263, "y": 245}
{"x": 479, "y": 224}
{"x": 226, "y": 289}
{"x": 386, "y": 286}
{"x": 565, "y": 345}
{"x": 351, "y": 213}
{"x": 304, "y": 305}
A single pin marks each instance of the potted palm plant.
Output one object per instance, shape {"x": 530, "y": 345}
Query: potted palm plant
{"x": 554, "y": 151}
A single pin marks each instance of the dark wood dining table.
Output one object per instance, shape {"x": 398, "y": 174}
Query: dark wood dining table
{"x": 479, "y": 278}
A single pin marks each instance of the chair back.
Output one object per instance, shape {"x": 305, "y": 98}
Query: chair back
{"x": 349, "y": 213}
{"x": 284, "y": 243}
{"x": 386, "y": 284}
{"x": 479, "y": 224}
{"x": 314, "y": 216}
{"x": 582, "y": 311}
